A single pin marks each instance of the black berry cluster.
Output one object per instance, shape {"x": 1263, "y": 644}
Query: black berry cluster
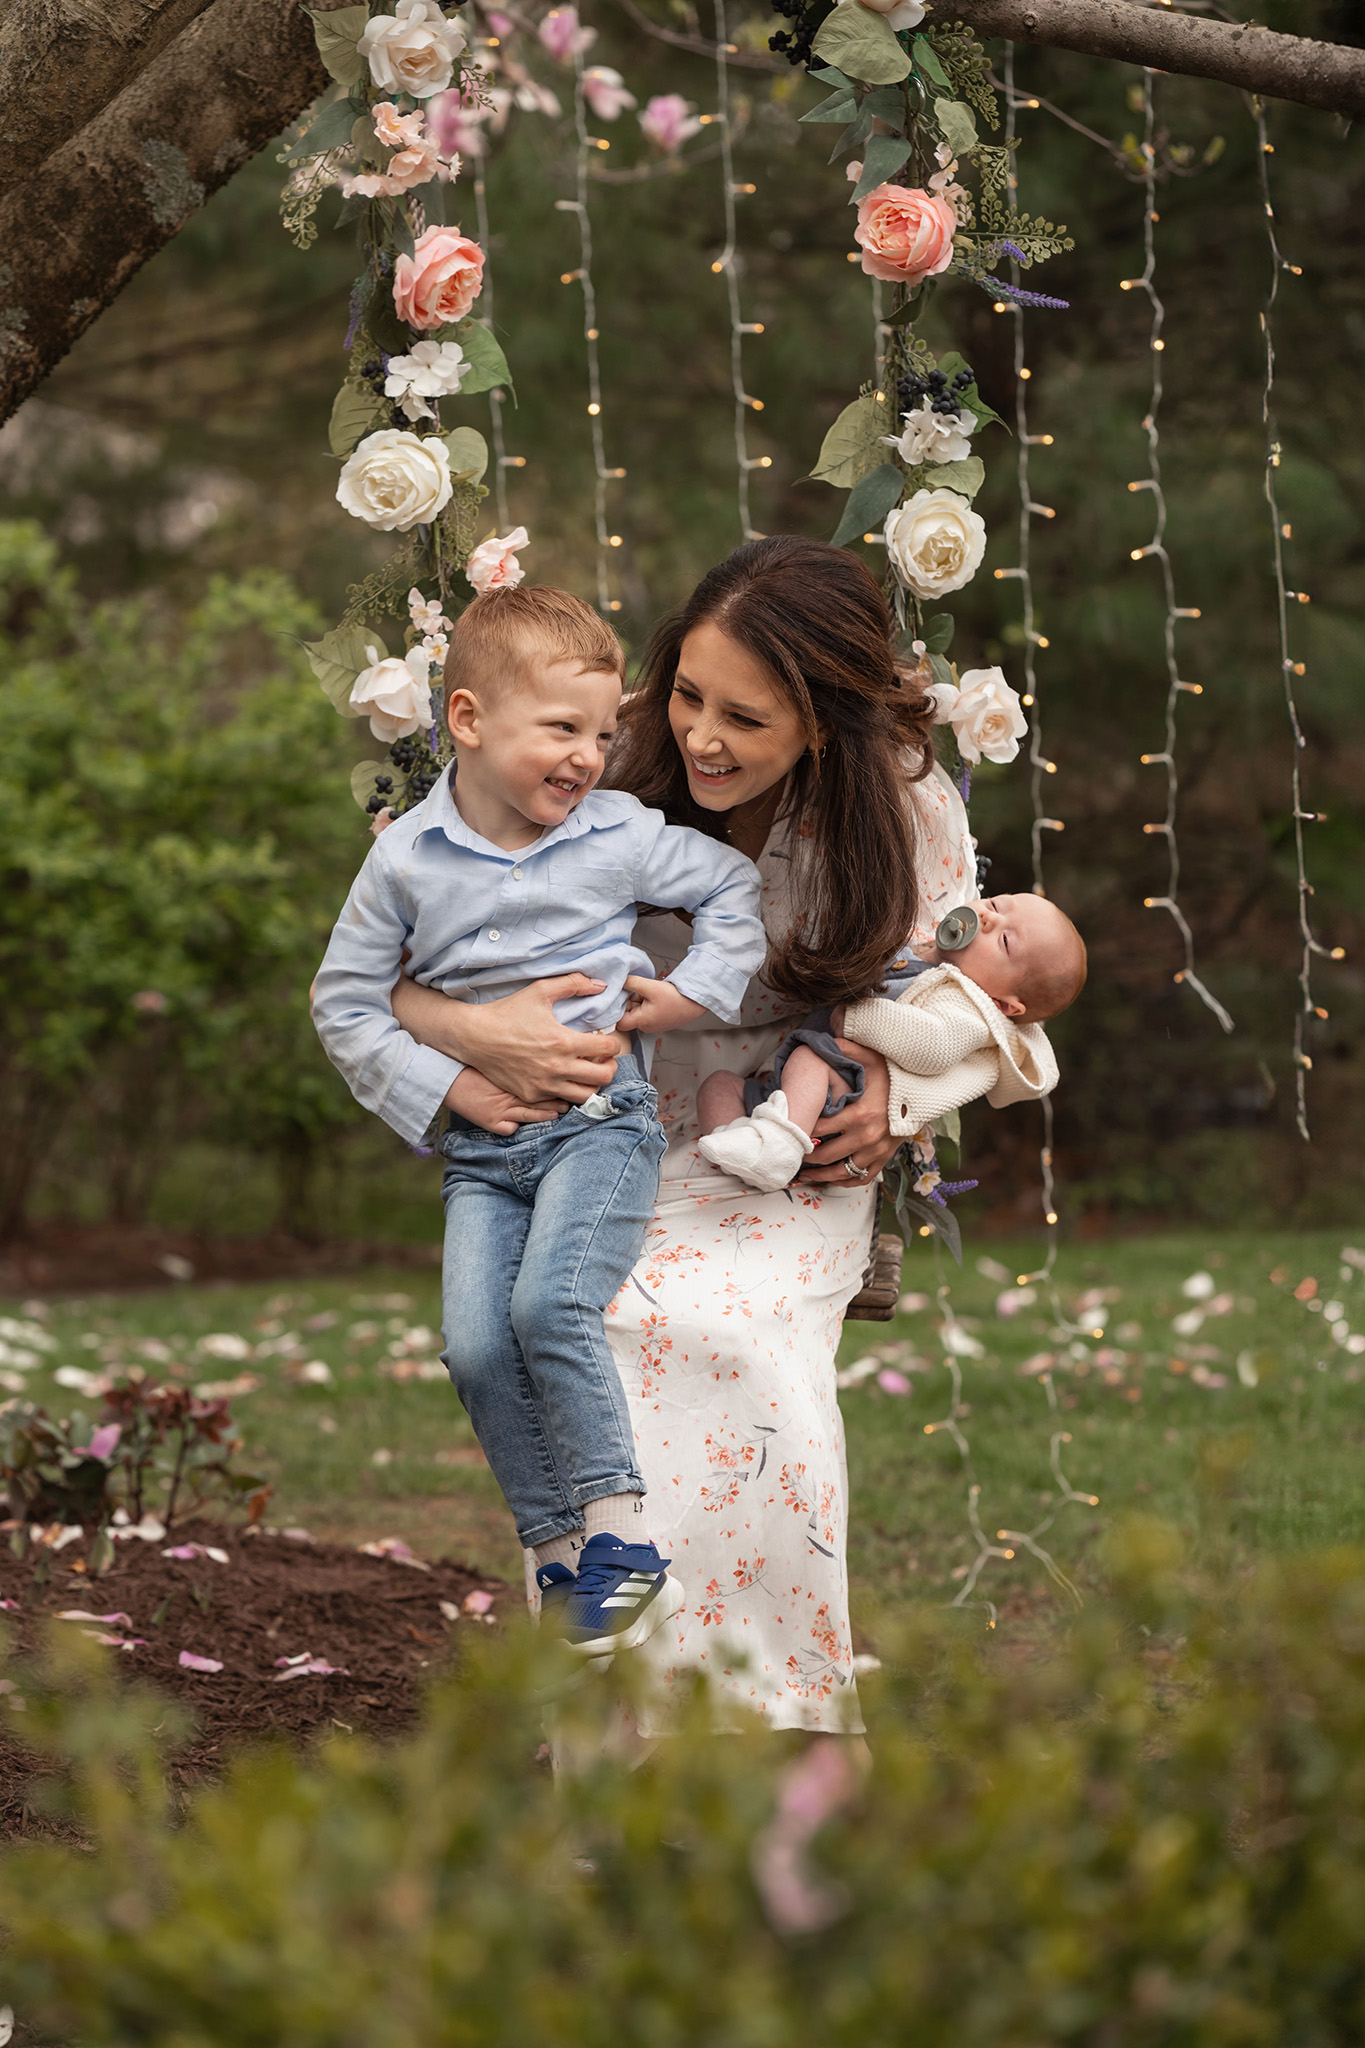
{"x": 805, "y": 16}
{"x": 942, "y": 396}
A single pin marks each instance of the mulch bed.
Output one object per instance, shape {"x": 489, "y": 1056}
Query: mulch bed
{"x": 85, "y": 1258}
{"x": 381, "y": 1621}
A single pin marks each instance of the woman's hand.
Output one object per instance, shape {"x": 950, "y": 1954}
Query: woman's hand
{"x": 517, "y": 1043}
{"x": 859, "y": 1132}
{"x": 493, "y": 1109}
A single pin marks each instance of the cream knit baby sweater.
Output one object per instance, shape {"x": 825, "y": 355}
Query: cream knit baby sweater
{"x": 946, "y": 1043}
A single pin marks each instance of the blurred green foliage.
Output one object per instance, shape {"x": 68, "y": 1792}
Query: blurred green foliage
{"x": 175, "y": 831}
{"x": 1151, "y": 1836}
{"x": 186, "y": 434}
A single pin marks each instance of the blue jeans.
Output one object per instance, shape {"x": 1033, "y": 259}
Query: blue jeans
{"x": 542, "y": 1229}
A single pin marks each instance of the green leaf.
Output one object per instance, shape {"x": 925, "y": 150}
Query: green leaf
{"x": 357, "y": 410}
{"x": 908, "y": 312}
{"x": 965, "y": 477}
{"x": 929, "y": 64}
{"x": 363, "y": 780}
{"x": 338, "y": 658}
{"x": 332, "y": 128}
{"x": 852, "y": 446}
{"x": 336, "y": 35}
{"x": 938, "y": 632}
{"x": 940, "y": 671}
{"x": 853, "y": 136}
{"x": 488, "y": 364}
{"x": 869, "y": 502}
{"x": 957, "y": 124}
{"x": 882, "y": 159}
{"x": 888, "y": 104}
{"x": 949, "y": 1128}
{"x": 827, "y": 75}
{"x": 840, "y": 106}
{"x": 468, "y": 452}
{"x": 862, "y": 44}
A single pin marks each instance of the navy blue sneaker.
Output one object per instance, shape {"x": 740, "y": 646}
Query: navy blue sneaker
{"x": 623, "y": 1592}
{"x": 556, "y": 1582}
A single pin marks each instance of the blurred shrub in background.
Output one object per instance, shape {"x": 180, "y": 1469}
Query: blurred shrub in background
{"x": 1153, "y": 1834}
{"x": 175, "y": 841}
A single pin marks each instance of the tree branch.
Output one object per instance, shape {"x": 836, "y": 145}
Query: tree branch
{"x": 62, "y": 60}
{"x": 117, "y": 191}
{"x": 1329, "y": 76}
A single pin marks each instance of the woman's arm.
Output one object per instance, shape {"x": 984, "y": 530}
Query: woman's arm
{"x": 860, "y": 1132}
{"x": 517, "y": 1043}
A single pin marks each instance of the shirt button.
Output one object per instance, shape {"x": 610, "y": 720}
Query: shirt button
{"x": 516, "y": 874}
{"x": 495, "y": 935}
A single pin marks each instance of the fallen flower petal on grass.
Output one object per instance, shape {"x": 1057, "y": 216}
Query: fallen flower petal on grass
{"x": 449, "y": 1610}
{"x": 478, "y": 1602}
{"x": 116, "y": 1642}
{"x": 79, "y": 1614}
{"x": 190, "y": 1662}
{"x": 892, "y": 1382}
{"x": 192, "y": 1550}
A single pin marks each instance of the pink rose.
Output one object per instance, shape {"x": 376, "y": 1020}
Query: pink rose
{"x": 668, "y": 121}
{"x": 453, "y": 124}
{"x": 494, "y": 565}
{"x": 905, "y": 236}
{"x": 440, "y": 281}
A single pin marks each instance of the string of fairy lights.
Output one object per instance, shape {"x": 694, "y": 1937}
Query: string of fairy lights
{"x": 1156, "y": 549}
{"x": 727, "y": 264}
{"x": 585, "y": 144}
{"x": 502, "y": 461}
{"x": 1040, "y": 765}
{"x": 1310, "y": 945}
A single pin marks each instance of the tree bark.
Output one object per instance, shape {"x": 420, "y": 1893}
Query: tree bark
{"x": 1329, "y": 76}
{"x": 62, "y": 60}
{"x": 73, "y": 234}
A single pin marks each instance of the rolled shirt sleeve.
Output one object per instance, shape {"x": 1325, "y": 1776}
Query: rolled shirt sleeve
{"x": 384, "y": 1067}
{"x": 684, "y": 870}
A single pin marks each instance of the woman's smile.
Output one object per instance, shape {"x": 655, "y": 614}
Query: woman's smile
{"x": 737, "y": 733}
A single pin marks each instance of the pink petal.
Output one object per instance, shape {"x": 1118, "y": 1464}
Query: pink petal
{"x": 478, "y": 1602}
{"x": 189, "y": 1662}
{"x": 116, "y": 1642}
{"x": 80, "y": 1614}
{"x": 312, "y": 1667}
{"x": 9, "y": 1606}
{"x": 892, "y": 1382}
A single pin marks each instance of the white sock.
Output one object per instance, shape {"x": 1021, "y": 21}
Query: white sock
{"x": 765, "y": 1150}
{"x": 617, "y": 1514}
{"x": 560, "y": 1549}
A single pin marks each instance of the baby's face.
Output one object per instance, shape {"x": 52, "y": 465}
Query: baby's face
{"x": 1019, "y": 937}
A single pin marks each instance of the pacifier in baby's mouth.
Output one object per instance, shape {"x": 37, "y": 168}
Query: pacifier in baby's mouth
{"x": 957, "y": 929}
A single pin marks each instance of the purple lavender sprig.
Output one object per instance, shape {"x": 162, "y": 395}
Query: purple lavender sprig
{"x": 945, "y": 1188}
{"x": 1016, "y": 297}
{"x": 355, "y": 310}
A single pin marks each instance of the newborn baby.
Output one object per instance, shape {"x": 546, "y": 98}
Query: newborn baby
{"x": 967, "y": 1021}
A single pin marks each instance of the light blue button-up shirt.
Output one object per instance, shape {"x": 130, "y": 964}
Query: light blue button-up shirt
{"x": 479, "y": 922}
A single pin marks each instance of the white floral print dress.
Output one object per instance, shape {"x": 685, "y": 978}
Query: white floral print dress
{"x": 725, "y": 1334}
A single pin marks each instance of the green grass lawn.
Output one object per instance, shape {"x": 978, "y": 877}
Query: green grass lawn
{"x": 1245, "y": 1432}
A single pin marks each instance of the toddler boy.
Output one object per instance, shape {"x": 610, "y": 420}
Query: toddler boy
{"x": 967, "y": 1021}
{"x": 513, "y": 869}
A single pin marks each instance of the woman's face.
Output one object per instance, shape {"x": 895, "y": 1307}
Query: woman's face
{"x": 736, "y": 732}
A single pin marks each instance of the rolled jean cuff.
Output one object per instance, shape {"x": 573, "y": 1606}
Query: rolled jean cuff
{"x": 603, "y": 1489}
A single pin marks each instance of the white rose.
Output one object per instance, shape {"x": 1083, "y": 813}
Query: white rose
{"x": 935, "y": 543}
{"x": 396, "y": 480}
{"x": 986, "y": 716}
{"x": 412, "y": 50}
{"x": 930, "y": 436}
{"x": 395, "y": 694}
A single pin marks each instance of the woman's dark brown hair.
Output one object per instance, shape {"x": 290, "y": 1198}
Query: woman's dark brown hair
{"x": 816, "y": 620}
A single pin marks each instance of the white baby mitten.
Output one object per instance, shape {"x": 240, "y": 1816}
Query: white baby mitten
{"x": 764, "y": 1150}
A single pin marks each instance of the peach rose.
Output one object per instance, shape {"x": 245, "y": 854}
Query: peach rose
{"x": 494, "y": 565}
{"x": 440, "y": 281}
{"x": 905, "y": 236}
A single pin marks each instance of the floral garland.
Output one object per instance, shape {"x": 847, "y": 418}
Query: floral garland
{"x": 910, "y": 104}
{"x": 411, "y": 98}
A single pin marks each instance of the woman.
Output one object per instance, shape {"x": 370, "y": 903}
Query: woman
{"x": 769, "y": 712}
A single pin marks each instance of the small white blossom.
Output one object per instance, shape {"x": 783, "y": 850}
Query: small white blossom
{"x": 929, "y": 436}
{"x": 433, "y": 369}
